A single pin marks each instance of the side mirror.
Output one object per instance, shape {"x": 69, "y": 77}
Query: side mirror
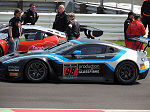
{"x": 77, "y": 52}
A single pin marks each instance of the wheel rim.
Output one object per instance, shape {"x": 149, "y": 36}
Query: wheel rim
{"x": 127, "y": 72}
{"x": 37, "y": 71}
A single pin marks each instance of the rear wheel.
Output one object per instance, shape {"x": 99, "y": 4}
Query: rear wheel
{"x": 1, "y": 52}
{"x": 126, "y": 72}
{"x": 36, "y": 71}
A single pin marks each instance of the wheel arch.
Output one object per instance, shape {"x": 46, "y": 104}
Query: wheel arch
{"x": 50, "y": 74}
{"x": 125, "y": 61}
{"x": 130, "y": 81}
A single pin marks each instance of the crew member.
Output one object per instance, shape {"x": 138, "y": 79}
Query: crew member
{"x": 60, "y": 22}
{"x": 136, "y": 29}
{"x": 73, "y": 27}
{"x": 126, "y": 24}
{"x": 30, "y": 16}
{"x": 145, "y": 14}
{"x": 14, "y": 30}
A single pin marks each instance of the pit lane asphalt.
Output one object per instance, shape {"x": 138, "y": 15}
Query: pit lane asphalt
{"x": 75, "y": 95}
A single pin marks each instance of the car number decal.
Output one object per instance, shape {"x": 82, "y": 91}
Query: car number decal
{"x": 70, "y": 71}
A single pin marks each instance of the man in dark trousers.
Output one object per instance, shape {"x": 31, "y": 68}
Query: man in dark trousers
{"x": 60, "y": 22}
{"x": 73, "y": 27}
{"x": 145, "y": 14}
{"x": 126, "y": 24}
{"x": 30, "y": 16}
{"x": 14, "y": 30}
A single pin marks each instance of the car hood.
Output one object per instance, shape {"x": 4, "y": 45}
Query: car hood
{"x": 21, "y": 53}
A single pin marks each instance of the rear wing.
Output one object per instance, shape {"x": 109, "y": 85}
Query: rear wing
{"x": 91, "y": 32}
{"x": 142, "y": 40}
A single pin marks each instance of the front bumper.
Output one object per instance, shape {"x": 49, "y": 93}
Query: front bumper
{"x": 3, "y": 71}
{"x": 143, "y": 74}
{"x": 6, "y": 75}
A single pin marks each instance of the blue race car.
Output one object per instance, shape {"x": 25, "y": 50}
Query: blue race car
{"x": 77, "y": 60}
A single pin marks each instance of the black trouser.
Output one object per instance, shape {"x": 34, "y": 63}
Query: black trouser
{"x": 146, "y": 21}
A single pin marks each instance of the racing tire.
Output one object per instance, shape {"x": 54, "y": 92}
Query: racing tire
{"x": 126, "y": 72}
{"x": 36, "y": 71}
{"x": 1, "y": 52}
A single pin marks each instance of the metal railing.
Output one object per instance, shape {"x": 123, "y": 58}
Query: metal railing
{"x": 79, "y": 6}
{"x": 112, "y": 25}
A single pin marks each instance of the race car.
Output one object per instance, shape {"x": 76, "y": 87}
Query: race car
{"x": 37, "y": 37}
{"x": 33, "y": 38}
{"x": 82, "y": 60}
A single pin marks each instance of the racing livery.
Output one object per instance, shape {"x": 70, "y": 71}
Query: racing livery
{"x": 77, "y": 60}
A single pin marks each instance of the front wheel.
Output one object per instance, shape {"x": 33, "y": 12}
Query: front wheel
{"x": 36, "y": 71}
{"x": 126, "y": 72}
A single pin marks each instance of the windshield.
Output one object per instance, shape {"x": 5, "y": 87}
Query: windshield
{"x": 61, "y": 48}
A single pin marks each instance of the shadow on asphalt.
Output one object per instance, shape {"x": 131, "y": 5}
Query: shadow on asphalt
{"x": 59, "y": 82}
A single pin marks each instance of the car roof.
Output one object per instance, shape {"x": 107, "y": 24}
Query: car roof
{"x": 92, "y": 41}
{"x": 40, "y": 28}
{"x": 45, "y": 29}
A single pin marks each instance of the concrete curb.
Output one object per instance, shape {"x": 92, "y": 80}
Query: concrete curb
{"x": 67, "y": 110}
{"x": 5, "y": 110}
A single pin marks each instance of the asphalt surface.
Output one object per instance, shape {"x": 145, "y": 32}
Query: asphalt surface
{"x": 75, "y": 95}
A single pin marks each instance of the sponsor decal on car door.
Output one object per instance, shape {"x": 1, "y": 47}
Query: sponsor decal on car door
{"x": 70, "y": 71}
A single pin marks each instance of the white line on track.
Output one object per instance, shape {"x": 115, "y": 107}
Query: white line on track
{"x": 70, "y": 110}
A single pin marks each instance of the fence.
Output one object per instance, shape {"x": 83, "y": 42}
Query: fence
{"x": 51, "y": 6}
{"x": 42, "y": 6}
{"x": 112, "y": 25}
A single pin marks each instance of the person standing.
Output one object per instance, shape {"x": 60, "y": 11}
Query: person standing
{"x": 145, "y": 14}
{"x": 60, "y": 22}
{"x": 126, "y": 24}
{"x": 73, "y": 27}
{"x": 14, "y": 30}
{"x": 30, "y": 16}
{"x": 136, "y": 29}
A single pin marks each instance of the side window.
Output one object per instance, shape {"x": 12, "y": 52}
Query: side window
{"x": 38, "y": 36}
{"x": 29, "y": 36}
{"x": 111, "y": 50}
{"x": 93, "y": 49}
{"x": 33, "y": 35}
